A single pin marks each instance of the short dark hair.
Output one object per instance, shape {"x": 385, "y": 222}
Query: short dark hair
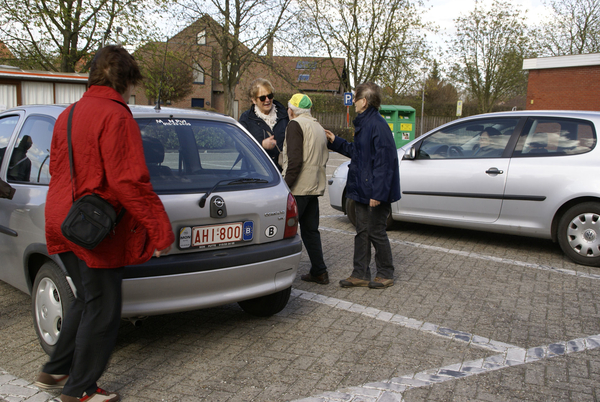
{"x": 371, "y": 92}
{"x": 114, "y": 67}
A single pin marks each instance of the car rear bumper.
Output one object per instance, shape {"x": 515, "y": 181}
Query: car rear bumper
{"x": 193, "y": 281}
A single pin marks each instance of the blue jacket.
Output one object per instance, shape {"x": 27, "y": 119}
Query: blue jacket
{"x": 260, "y": 130}
{"x": 373, "y": 172}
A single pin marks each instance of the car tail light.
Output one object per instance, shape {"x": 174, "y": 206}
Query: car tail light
{"x": 291, "y": 217}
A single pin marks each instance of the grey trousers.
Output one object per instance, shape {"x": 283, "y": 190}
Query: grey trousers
{"x": 370, "y": 229}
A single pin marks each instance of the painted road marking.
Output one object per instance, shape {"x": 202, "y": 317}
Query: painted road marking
{"x": 479, "y": 256}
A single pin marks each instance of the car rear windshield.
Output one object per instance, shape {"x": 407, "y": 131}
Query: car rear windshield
{"x": 193, "y": 155}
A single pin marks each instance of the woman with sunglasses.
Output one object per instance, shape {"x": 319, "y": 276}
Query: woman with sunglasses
{"x": 266, "y": 119}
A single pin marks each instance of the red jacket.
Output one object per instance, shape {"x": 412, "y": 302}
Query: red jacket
{"x": 108, "y": 157}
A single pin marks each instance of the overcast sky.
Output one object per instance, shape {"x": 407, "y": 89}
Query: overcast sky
{"x": 443, "y": 13}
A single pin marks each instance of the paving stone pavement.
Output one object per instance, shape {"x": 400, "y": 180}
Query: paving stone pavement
{"x": 472, "y": 317}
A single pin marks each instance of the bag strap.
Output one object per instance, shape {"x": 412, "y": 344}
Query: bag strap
{"x": 71, "y": 151}
{"x": 122, "y": 211}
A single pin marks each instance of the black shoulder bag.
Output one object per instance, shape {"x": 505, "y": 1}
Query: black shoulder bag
{"x": 91, "y": 218}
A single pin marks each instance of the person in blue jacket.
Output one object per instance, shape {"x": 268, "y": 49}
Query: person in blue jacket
{"x": 373, "y": 183}
{"x": 266, "y": 119}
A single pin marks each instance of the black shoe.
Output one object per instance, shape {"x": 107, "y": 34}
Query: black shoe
{"x": 322, "y": 279}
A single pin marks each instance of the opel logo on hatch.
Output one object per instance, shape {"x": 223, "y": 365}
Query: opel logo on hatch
{"x": 219, "y": 202}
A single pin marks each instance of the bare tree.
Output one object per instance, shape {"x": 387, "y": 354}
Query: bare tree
{"x": 59, "y": 35}
{"x": 488, "y": 50}
{"x": 167, "y": 73}
{"x": 237, "y": 32}
{"x": 574, "y": 28}
{"x": 378, "y": 38}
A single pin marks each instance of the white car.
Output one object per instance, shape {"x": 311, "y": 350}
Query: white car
{"x": 234, "y": 218}
{"x": 530, "y": 173}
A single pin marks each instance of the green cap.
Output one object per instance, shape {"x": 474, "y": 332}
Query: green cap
{"x": 301, "y": 101}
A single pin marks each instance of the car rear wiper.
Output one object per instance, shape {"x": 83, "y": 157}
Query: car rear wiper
{"x": 230, "y": 182}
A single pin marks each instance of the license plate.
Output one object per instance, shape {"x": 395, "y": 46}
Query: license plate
{"x": 216, "y": 235}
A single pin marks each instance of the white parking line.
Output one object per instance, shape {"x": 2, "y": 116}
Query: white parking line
{"x": 393, "y": 389}
{"x": 471, "y": 254}
{"x": 402, "y": 321}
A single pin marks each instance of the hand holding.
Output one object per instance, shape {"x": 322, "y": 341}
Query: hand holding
{"x": 330, "y": 135}
{"x": 374, "y": 203}
{"x": 269, "y": 143}
{"x": 158, "y": 253}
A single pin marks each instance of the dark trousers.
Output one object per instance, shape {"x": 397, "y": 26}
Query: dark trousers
{"x": 370, "y": 229}
{"x": 89, "y": 331}
{"x": 308, "y": 217}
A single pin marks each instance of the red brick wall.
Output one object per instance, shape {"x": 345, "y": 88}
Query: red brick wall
{"x": 573, "y": 88}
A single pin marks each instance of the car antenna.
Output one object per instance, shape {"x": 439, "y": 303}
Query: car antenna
{"x": 162, "y": 73}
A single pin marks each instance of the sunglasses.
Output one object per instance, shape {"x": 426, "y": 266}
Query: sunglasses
{"x": 264, "y": 97}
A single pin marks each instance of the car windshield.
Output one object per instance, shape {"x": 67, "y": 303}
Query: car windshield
{"x": 193, "y": 155}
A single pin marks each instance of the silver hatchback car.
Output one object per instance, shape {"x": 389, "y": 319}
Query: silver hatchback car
{"x": 234, "y": 219}
{"x": 530, "y": 173}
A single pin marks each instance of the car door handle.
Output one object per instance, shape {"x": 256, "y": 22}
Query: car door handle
{"x": 7, "y": 231}
{"x": 494, "y": 171}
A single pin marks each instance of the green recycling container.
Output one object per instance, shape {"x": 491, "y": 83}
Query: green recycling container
{"x": 401, "y": 120}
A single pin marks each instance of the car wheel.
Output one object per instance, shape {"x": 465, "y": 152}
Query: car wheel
{"x": 579, "y": 233}
{"x": 51, "y": 298}
{"x": 266, "y": 306}
{"x": 352, "y": 215}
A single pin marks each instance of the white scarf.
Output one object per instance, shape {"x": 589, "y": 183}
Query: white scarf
{"x": 270, "y": 118}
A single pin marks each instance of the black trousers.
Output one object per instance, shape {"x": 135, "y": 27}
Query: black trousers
{"x": 308, "y": 217}
{"x": 370, "y": 229}
{"x": 90, "y": 327}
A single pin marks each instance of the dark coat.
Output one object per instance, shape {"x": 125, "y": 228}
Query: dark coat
{"x": 108, "y": 159}
{"x": 260, "y": 130}
{"x": 373, "y": 172}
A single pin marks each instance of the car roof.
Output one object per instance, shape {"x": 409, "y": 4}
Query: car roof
{"x": 138, "y": 112}
{"x": 543, "y": 113}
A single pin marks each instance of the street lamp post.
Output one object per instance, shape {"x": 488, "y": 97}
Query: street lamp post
{"x": 424, "y": 69}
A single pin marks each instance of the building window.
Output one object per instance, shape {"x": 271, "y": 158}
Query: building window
{"x": 306, "y": 65}
{"x": 198, "y": 74}
{"x": 201, "y": 37}
{"x": 131, "y": 100}
{"x": 68, "y": 93}
{"x": 197, "y": 102}
{"x": 304, "y": 77}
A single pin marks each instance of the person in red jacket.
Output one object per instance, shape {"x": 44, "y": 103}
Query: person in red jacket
{"x": 108, "y": 160}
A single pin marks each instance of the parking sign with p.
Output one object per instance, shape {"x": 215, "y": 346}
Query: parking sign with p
{"x": 347, "y": 98}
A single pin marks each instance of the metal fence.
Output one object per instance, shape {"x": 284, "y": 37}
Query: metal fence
{"x": 338, "y": 120}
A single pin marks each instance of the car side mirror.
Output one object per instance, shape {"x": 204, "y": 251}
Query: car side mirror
{"x": 411, "y": 154}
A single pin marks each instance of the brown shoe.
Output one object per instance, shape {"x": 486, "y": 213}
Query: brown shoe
{"x": 322, "y": 279}
{"x": 99, "y": 396}
{"x": 51, "y": 381}
{"x": 380, "y": 283}
{"x": 353, "y": 282}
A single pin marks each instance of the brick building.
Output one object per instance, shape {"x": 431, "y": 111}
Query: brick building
{"x": 288, "y": 74}
{"x": 564, "y": 82}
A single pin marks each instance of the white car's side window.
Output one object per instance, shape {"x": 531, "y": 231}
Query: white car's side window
{"x": 7, "y": 126}
{"x": 554, "y": 137}
{"x": 30, "y": 158}
{"x": 476, "y": 139}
